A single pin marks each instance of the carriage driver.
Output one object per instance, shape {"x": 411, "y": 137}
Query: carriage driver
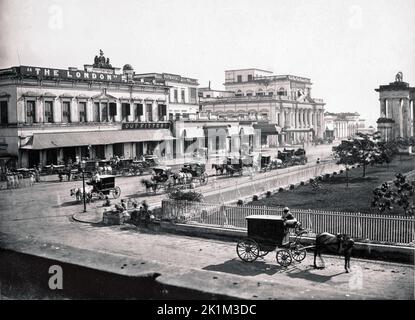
{"x": 290, "y": 222}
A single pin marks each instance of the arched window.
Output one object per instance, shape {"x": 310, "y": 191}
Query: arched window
{"x": 239, "y": 93}
{"x": 281, "y": 92}
{"x": 260, "y": 92}
{"x": 249, "y": 93}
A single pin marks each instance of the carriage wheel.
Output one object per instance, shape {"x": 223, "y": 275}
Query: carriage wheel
{"x": 247, "y": 250}
{"x": 298, "y": 252}
{"x": 116, "y": 192}
{"x": 284, "y": 257}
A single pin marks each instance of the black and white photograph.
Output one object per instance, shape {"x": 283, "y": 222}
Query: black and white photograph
{"x": 215, "y": 151}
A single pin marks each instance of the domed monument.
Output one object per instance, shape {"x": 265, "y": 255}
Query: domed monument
{"x": 396, "y": 109}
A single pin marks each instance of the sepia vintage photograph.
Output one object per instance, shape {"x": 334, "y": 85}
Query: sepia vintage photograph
{"x": 207, "y": 150}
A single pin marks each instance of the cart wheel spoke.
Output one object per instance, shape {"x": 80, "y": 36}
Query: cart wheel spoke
{"x": 247, "y": 250}
{"x": 284, "y": 257}
{"x": 298, "y": 253}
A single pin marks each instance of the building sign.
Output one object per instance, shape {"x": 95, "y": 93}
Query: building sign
{"x": 47, "y": 73}
{"x": 146, "y": 125}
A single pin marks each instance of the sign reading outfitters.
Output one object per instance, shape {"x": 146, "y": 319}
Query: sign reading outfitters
{"x": 146, "y": 125}
{"x": 45, "y": 73}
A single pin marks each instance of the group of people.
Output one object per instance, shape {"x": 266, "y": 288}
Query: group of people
{"x": 139, "y": 215}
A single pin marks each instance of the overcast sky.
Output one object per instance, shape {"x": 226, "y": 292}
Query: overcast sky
{"x": 346, "y": 47}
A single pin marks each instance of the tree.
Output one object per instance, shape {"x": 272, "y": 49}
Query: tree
{"x": 363, "y": 149}
{"x": 399, "y": 192}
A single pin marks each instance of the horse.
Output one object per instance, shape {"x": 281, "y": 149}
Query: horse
{"x": 149, "y": 185}
{"x": 340, "y": 243}
{"x": 78, "y": 193}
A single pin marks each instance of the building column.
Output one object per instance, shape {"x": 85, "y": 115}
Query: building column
{"x": 282, "y": 118}
{"x": 88, "y": 111}
{"x": 155, "y": 111}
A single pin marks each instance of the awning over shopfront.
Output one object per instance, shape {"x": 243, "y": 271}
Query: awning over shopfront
{"x": 41, "y": 141}
{"x": 267, "y": 128}
{"x": 192, "y": 132}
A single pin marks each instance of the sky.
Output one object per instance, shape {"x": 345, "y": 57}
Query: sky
{"x": 347, "y": 48}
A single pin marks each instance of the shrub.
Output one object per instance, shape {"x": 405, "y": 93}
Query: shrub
{"x": 281, "y": 189}
{"x": 268, "y": 194}
{"x": 302, "y": 183}
{"x": 291, "y": 186}
{"x": 240, "y": 202}
{"x": 255, "y": 198}
{"x": 178, "y": 195}
{"x": 311, "y": 180}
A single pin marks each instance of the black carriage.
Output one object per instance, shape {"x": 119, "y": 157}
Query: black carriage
{"x": 104, "y": 187}
{"x": 197, "y": 170}
{"x": 233, "y": 165}
{"x": 266, "y": 163}
{"x": 128, "y": 167}
{"x": 160, "y": 179}
{"x": 265, "y": 234}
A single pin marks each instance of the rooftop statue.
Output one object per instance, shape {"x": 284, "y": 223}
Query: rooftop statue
{"x": 101, "y": 62}
{"x": 399, "y": 77}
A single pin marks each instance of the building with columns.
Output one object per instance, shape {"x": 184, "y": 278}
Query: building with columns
{"x": 342, "y": 125}
{"x": 281, "y": 105}
{"x": 51, "y": 115}
{"x": 183, "y": 93}
{"x": 396, "y": 109}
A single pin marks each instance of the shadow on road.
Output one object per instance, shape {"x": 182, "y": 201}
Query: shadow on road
{"x": 308, "y": 275}
{"x": 235, "y": 266}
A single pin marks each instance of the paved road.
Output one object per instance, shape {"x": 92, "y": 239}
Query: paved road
{"x": 42, "y": 215}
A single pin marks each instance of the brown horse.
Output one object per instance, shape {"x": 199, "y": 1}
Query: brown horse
{"x": 340, "y": 243}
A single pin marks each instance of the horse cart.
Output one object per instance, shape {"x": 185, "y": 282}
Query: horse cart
{"x": 266, "y": 234}
{"x": 232, "y": 166}
{"x": 104, "y": 187}
{"x": 195, "y": 171}
{"x": 161, "y": 178}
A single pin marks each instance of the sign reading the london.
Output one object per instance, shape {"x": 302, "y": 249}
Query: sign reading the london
{"x": 46, "y": 73}
{"x": 146, "y": 125}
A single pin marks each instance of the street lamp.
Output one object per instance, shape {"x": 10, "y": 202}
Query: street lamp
{"x": 83, "y": 182}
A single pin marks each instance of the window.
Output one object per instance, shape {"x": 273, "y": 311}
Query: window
{"x": 104, "y": 112}
{"x": 95, "y": 111}
{"x": 239, "y": 93}
{"x": 192, "y": 95}
{"x": 183, "y": 96}
{"x": 176, "y": 99}
{"x": 112, "y": 111}
{"x": 48, "y": 111}
{"x": 82, "y": 111}
{"x": 260, "y": 92}
{"x": 149, "y": 112}
{"x": 281, "y": 92}
{"x": 139, "y": 112}
{"x": 4, "y": 118}
{"x": 66, "y": 112}
{"x": 30, "y": 111}
{"x": 249, "y": 77}
{"x": 239, "y": 78}
{"x": 270, "y": 93}
{"x": 125, "y": 111}
{"x": 162, "y": 109}
{"x": 249, "y": 93}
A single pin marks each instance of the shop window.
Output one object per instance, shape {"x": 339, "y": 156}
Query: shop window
{"x": 49, "y": 111}
{"x": 82, "y": 111}
{"x": 4, "y": 118}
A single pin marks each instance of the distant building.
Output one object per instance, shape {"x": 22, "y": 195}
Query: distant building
{"x": 396, "y": 109}
{"x": 281, "y": 105}
{"x": 183, "y": 97}
{"x": 342, "y": 125}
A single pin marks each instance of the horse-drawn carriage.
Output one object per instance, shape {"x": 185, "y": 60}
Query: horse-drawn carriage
{"x": 161, "y": 178}
{"x": 291, "y": 157}
{"x": 197, "y": 171}
{"x": 98, "y": 189}
{"x": 265, "y": 163}
{"x": 128, "y": 167}
{"x": 232, "y": 165}
{"x": 265, "y": 234}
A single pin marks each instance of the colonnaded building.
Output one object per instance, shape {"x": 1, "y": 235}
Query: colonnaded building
{"x": 283, "y": 103}
{"x": 397, "y": 109}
